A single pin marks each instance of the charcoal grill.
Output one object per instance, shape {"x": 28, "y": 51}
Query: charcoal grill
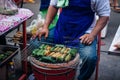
{"x": 49, "y": 71}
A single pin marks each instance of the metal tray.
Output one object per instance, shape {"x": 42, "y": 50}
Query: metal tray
{"x": 3, "y": 50}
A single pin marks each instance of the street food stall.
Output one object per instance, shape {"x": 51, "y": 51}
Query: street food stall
{"x": 52, "y": 61}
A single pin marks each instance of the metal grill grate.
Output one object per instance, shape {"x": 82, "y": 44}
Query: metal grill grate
{"x": 26, "y": 52}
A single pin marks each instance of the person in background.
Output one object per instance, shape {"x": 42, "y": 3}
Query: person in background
{"x": 77, "y": 22}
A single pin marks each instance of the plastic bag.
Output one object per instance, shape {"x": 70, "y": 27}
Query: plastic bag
{"x": 36, "y": 24}
{"x": 8, "y": 7}
{"x": 32, "y": 26}
{"x": 40, "y": 21}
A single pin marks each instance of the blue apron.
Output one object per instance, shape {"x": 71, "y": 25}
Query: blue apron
{"x": 74, "y": 20}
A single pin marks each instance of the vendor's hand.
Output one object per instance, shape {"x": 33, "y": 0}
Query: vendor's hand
{"x": 86, "y": 39}
{"x": 40, "y": 32}
{"x": 44, "y": 32}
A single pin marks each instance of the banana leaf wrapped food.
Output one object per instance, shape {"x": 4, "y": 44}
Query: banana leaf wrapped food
{"x": 54, "y": 53}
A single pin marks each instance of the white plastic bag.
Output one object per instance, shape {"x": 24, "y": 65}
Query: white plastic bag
{"x": 40, "y": 21}
{"x": 35, "y": 26}
{"x": 8, "y": 7}
{"x": 32, "y": 26}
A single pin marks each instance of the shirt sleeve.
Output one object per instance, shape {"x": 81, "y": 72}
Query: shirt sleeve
{"x": 101, "y": 7}
{"x": 53, "y": 2}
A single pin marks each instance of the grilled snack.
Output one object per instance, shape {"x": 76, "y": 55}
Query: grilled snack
{"x": 51, "y": 53}
{"x": 63, "y": 49}
{"x": 73, "y": 51}
{"x": 48, "y": 47}
{"x": 68, "y": 57}
{"x": 61, "y": 57}
{"x": 47, "y": 52}
{"x": 40, "y": 52}
{"x": 47, "y": 59}
{"x": 42, "y": 46}
{"x": 59, "y": 53}
{"x": 35, "y": 51}
{"x": 56, "y": 48}
{"x": 52, "y": 48}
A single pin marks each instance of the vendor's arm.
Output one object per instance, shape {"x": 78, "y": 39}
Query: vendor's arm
{"x": 88, "y": 38}
{"x": 52, "y": 11}
{"x": 102, "y": 9}
{"x": 102, "y": 21}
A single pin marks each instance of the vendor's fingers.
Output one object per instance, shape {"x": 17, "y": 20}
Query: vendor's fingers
{"x": 88, "y": 42}
{"x": 82, "y": 38}
{"x": 39, "y": 35}
{"x": 34, "y": 36}
{"x": 86, "y": 39}
{"x": 46, "y": 35}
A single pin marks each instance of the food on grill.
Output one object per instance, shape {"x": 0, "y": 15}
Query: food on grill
{"x": 47, "y": 52}
{"x": 47, "y": 59}
{"x": 73, "y": 52}
{"x": 68, "y": 57}
{"x": 62, "y": 51}
{"x": 54, "y": 53}
{"x": 62, "y": 57}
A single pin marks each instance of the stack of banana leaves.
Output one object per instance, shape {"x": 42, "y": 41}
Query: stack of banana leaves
{"x": 54, "y": 53}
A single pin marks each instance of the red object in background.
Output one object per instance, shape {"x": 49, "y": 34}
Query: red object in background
{"x": 18, "y": 2}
